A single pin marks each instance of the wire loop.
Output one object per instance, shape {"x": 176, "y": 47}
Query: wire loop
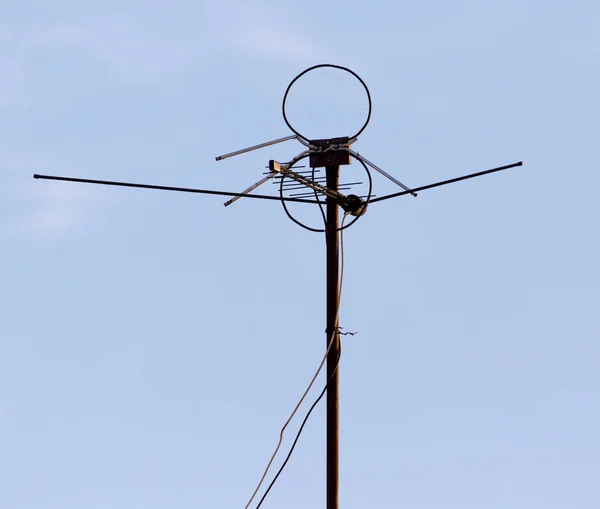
{"x": 296, "y": 160}
{"x": 285, "y": 118}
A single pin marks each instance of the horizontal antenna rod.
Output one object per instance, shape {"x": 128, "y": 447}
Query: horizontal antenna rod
{"x": 444, "y": 182}
{"x": 169, "y": 188}
{"x": 266, "y": 197}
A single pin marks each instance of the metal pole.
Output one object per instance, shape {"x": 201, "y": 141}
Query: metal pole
{"x": 332, "y": 237}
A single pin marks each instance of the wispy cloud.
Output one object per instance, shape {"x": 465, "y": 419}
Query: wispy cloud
{"x": 58, "y": 209}
{"x": 14, "y": 91}
{"x": 127, "y": 49}
{"x": 41, "y": 210}
{"x": 120, "y": 48}
{"x": 266, "y": 31}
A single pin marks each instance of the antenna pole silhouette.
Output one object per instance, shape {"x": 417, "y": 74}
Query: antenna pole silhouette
{"x": 332, "y": 241}
{"x": 322, "y": 153}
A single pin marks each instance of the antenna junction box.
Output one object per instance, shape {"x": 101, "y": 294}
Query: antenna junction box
{"x": 329, "y": 152}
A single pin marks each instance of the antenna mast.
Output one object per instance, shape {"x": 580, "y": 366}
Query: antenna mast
{"x": 329, "y": 154}
{"x": 333, "y": 337}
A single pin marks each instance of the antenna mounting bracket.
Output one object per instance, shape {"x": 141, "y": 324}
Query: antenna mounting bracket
{"x": 329, "y": 152}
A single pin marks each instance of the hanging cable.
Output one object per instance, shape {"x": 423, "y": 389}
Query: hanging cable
{"x": 337, "y": 362}
{"x": 288, "y": 421}
{"x": 317, "y": 198}
{"x": 333, "y": 373}
{"x": 330, "y": 344}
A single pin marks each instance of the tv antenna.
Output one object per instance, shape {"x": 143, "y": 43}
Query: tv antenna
{"x": 326, "y": 192}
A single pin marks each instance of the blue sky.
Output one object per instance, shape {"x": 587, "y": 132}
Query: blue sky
{"x": 152, "y": 344}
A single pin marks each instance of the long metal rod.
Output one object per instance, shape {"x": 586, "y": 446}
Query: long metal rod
{"x": 256, "y": 147}
{"x": 384, "y": 173}
{"x": 332, "y": 240}
{"x": 249, "y": 189}
{"x": 169, "y": 188}
{"x": 444, "y": 182}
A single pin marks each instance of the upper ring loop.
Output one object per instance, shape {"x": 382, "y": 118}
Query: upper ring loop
{"x": 335, "y": 67}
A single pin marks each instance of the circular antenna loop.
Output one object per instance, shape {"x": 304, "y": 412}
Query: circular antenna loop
{"x": 321, "y": 230}
{"x": 319, "y": 66}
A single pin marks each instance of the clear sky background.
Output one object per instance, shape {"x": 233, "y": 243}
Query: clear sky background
{"x": 152, "y": 344}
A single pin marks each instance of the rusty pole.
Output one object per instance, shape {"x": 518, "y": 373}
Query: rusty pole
{"x": 332, "y": 238}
